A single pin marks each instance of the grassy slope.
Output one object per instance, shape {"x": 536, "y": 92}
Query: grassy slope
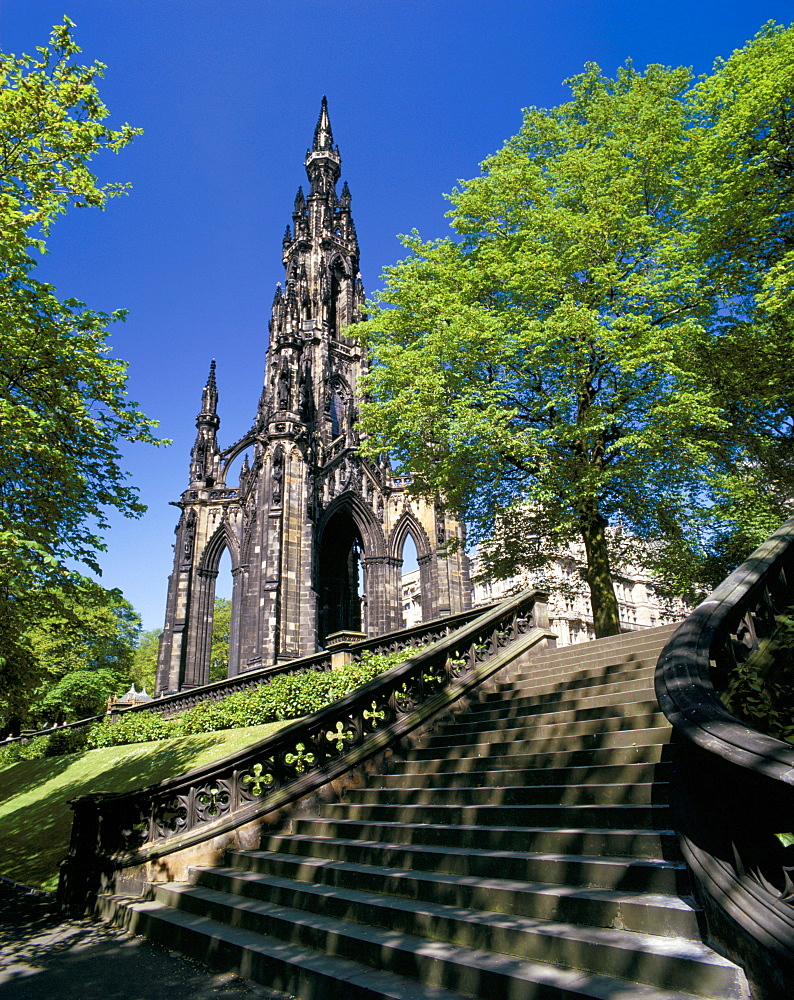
{"x": 35, "y": 818}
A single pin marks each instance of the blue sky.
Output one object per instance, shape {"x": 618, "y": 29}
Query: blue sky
{"x": 419, "y": 92}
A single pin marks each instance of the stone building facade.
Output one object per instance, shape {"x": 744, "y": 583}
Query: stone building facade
{"x": 640, "y": 602}
{"x": 314, "y": 531}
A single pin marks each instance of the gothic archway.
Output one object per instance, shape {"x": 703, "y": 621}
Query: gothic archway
{"x": 409, "y": 527}
{"x": 202, "y": 608}
{"x": 339, "y": 576}
{"x": 350, "y": 558}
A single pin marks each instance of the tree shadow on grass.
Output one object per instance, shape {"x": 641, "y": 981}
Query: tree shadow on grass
{"x": 36, "y": 823}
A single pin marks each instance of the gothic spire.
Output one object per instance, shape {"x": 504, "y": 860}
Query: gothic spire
{"x": 323, "y": 136}
{"x": 323, "y": 162}
{"x": 204, "y": 458}
{"x": 209, "y": 396}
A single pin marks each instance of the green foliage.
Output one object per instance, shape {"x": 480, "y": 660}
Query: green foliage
{"x": 34, "y": 749}
{"x": 133, "y": 727}
{"x": 743, "y": 176}
{"x": 63, "y": 398}
{"x": 79, "y": 650}
{"x": 553, "y": 367}
{"x": 64, "y": 741}
{"x": 80, "y": 694}
{"x": 143, "y": 672}
{"x": 284, "y": 697}
{"x": 288, "y": 696}
{"x": 221, "y": 632}
{"x": 761, "y": 690}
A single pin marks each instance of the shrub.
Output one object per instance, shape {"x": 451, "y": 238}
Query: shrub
{"x": 66, "y": 741}
{"x": 9, "y": 753}
{"x": 283, "y": 697}
{"x": 33, "y": 749}
{"x": 288, "y": 696}
{"x": 761, "y": 690}
{"x": 80, "y": 694}
{"x": 135, "y": 727}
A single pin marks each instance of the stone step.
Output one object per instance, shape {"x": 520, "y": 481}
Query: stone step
{"x": 570, "y": 663}
{"x": 615, "y": 793}
{"x": 617, "y": 843}
{"x": 516, "y": 730}
{"x": 291, "y": 968}
{"x": 392, "y": 935}
{"x": 586, "y": 670}
{"x": 445, "y": 853}
{"x": 552, "y": 715}
{"x": 618, "y": 646}
{"x": 619, "y": 693}
{"x": 418, "y": 762}
{"x": 666, "y": 915}
{"x": 626, "y": 737}
{"x": 647, "y": 816}
{"x": 523, "y": 851}
{"x": 533, "y": 776}
{"x": 553, "y": 678}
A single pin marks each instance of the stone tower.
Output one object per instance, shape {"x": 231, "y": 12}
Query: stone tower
{"x": 315, "y": 532}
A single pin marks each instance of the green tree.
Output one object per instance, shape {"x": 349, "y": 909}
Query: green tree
{"x": 144, "y": 667}
{"x": 742, "y": 123}
{"x": 549, "y": 371}
{"x": 80, "y": 650}
{"x": 221, "y": 633}
{"x": 63, "y": 402}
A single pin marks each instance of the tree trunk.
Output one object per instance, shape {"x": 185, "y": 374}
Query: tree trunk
{"x": 606, "y": 617}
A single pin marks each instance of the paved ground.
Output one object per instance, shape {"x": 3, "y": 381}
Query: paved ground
{"x": 43, "y": 957}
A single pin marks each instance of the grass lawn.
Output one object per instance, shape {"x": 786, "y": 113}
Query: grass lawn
{"x": 35, "y": 817}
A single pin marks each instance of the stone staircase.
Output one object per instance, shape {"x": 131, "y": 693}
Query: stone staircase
{"x": 524, "y": 851}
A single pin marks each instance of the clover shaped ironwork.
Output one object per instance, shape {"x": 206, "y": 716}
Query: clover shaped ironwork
{"x": 258, "y": 780}
{"x": 213, "y": 799}
{"x": 339, "y": 736}
{"x": 300, "y": 759}
{"x": 375, "y": 717}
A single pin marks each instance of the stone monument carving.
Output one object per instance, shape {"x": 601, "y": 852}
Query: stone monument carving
{"x": 314, "y": 531}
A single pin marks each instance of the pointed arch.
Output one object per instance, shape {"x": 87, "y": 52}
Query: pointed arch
{"x": 372, "y": 536}
{"x": 350, "y": 563}
{"x": 337, "y": 405}
{"x": 222, "y": 538}
{"x": 408, "y": 524}
{"x": 338, "y": 262}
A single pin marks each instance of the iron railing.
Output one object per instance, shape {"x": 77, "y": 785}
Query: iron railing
{"x": 116, "y": 832}
{"x": 174, "y": 704}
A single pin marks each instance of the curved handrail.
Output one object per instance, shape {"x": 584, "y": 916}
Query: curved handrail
{"x": 729, "y": 623}
{"x": 112, "y": 832}
{"x": 734, "y": 786}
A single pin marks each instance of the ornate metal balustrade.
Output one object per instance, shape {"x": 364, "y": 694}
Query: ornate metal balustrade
{"x": 734, "y": 786}
{"x": 173, "y": 704}
{"x": 114, "y": 833}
